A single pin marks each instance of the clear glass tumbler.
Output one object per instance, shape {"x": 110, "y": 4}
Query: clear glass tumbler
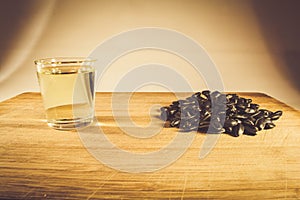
{"x": 67, "y": 88}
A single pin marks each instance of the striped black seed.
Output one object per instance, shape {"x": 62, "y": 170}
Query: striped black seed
{"x": 260, "y": 123}
{"x": 228, "y": 130}
{"x": 215, "y": 112}
{"x": 237, "y": 130}
{"x": 248, "y": 101}
{"x": 229, "y": 122}
{"x": 258, "y": 114}
{"x": 254, "y": 106}
{"x": 206, "y": 116}
{"x": 250, "y": 130}
{"x": 265, "y": 112}
{"x": 250, "y": 110}
{"x": 206, "y": 93}
{"x": 270, "y": 125}
{"x": 268, "y": 120}
{"x": 240, "y": 116}
{"x": 173, "y": 111}
{"x": 175, "y": 123}
{"x": 276, "y": 115}
{"x": 248, "y": 122}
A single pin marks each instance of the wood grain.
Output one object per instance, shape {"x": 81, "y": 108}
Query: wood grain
{"x": 38, "y": 162}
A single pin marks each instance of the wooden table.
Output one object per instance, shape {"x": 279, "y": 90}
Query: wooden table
{"x": 39, "y": 162}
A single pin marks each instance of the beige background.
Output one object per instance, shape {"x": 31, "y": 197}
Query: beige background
{"x": 255, "y": 44}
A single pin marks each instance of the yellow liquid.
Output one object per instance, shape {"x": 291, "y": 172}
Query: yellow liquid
{"x": 68, "y": 95}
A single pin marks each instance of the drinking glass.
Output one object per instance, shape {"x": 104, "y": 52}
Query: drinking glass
{"x": 67, "y": 88}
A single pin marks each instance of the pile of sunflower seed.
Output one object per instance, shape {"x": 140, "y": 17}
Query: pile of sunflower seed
{"x": 215, "y": 112}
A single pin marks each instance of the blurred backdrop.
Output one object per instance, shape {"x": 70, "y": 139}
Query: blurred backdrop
{"x": 254, "y": 43}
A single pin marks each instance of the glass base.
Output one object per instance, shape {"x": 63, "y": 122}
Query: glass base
{"x": 69, "y": 124}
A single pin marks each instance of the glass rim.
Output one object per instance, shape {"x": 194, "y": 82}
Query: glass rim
{"x": 63, "y": 60}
